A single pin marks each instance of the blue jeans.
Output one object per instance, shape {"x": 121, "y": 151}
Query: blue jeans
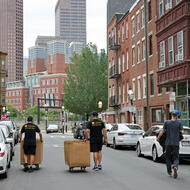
{"x": 172, "y": 156}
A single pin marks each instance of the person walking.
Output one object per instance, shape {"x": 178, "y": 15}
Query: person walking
{"x": 173, "y": 129}
{"x": 97, "y": 131}
{"x": 29, "y": 145}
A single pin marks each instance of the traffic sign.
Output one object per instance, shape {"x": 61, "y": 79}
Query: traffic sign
{"x": 63, "y": 118}
{"x": 3, "y": 117}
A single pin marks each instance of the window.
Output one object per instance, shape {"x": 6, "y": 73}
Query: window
{"x": 127, "y": 30}
{"x": 133, "y": 27}
{"x": 110, "y": 92}
{"x": 119, "y": 94}
{"x": 177, "y": 1}
{"x": 133, "y": 56}
{"x": 48, "y": 91}
{"x": 123, "y": 34}
{"x": 150, "y": 45}
{"x": 133, "y": 83}
{"x": 43, "y": 82}
{"x": 159, "y": 90}
{"x": 57, "y": 90}
{"x": 3, "y": 64}
{"x": 47, "y": 82}
{"x": 157, "y": 116}
{"x": 119, "y": 65}
{"x": 53, "y": 81}
{"x": 127, "y": 61}
{"x": 167, "y": 89}
{"x": 138, "y": 23}
{"x": 161, "y": 7}
{"x": 3, "y": 81}
{"x": 53, "y": 90}
{"x": 39, "y": 91}
{"x": 143, "y": 49}
{"x": 168, "y": 4}
{"x": 170, "y": 51}
{"x": 152, "y": 84}
{"x": 180, "y": 45}
{"x": 123, "y": 59}
{"x": 162, "y": 55}
{"x": 138, "y": 53}
{"x": 139, "y": 116}
{"x": 113, "y": 91}
{"x": 143, "y": 20}
{"x": 123, "y": 94}
{"x": 139, "y": 88}
{"x": 144, "y": 86}
{"x": 119, "y": 36}
{"x": 149, "y": 11}
{"x": 56, "y": 81}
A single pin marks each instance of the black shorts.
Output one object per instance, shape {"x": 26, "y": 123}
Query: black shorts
{"x": 29, "y": 149}
{"x": 95, "y": 147}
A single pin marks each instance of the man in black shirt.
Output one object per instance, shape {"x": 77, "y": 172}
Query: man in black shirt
{"x": 96, "y": 127}
{"x": 172, "y": 128}
{"x": 29, "y": 145}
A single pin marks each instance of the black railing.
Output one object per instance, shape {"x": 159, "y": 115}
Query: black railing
{"x": 113, "y": 45}
{"x": 113, "y": 101}
{"x": 114, "y": 72}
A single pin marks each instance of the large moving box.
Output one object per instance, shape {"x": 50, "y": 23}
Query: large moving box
{"x": 39, "y": 153}
{"x": 77, "y": 154}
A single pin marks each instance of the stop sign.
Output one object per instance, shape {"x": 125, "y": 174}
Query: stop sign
{"x": 3, "y": 117}
{"x": 63, "y": 118}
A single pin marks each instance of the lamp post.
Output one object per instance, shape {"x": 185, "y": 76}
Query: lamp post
{"x": 100, "y": 104}
{"x": 46, "y": 115}
{"x": 131, "y": 95}
{"x": 4, "y": 108}
{"x": 63, "y": 122}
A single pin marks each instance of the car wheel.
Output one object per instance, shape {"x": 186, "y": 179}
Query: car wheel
{"x": 138, "y": 150}
{"x": 114, "y": 144}
{"x": 4, "y": 175}
{"x": 13, "y": 153}
{"x": 9, "y": 165}
{"x": 107, "y": 145}
{"x": 154, "y": 154}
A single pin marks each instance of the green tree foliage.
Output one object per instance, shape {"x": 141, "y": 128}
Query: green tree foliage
{"x": 86, "y": 84}
{"x": 13, "y": 111}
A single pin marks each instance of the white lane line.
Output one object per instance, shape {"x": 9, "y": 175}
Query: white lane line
{"x": 58, "y": 146}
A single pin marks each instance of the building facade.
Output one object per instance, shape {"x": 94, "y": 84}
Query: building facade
{"x": 70, "y": 20}
{"x": 15, "y": 40}
{"x": 173, "y": 43}
{"x": 127, "y": 68}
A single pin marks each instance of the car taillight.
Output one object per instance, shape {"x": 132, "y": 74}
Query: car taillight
{"x": 121, "y": 134}
{"x": 2, "y": 154}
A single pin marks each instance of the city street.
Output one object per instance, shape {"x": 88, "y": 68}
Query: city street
{"x": 122, "y": 170}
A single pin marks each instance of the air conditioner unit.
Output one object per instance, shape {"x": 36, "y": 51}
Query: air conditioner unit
{"x": 176, "y": 58}
{"x": 180, "y": 57}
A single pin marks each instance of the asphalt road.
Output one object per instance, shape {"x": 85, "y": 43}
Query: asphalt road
{"x": 122, "y": 170}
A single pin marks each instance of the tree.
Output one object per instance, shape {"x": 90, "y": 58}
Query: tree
{"x": 13, "y": 111}
{"x": 87, "y": 82}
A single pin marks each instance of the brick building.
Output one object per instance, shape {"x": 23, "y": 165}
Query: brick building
{"x": 173, "y": 43}
{"x": 126, "y": 57}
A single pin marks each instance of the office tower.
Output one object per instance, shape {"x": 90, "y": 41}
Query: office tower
{"x": 15, "y": 40}
{"x": 70, "y": 20}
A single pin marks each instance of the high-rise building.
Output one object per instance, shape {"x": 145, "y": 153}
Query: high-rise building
{"x": 70, "y": 20}
{"x": 15, "y": 40}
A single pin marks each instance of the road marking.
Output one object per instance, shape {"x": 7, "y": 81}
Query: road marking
{"x": 58, "y": 146}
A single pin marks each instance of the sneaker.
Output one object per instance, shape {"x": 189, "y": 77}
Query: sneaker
{"x": 25, "y": 167}
{"x": 95, "y": 168}
{"x": 30, "y": 170}
{"x": 170, "y": 174}
{"x": 175, "y": 172}
{"x": 99, "y": 166}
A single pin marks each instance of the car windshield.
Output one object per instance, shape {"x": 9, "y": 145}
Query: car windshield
{"x": 9, "y": 123}
{"x": 53, "y": 126}
{"x": 1, "y": 138}
{"x": 136, "y": 127}
{"x": 186, "y": 131}
{"x": 5, "y": 131}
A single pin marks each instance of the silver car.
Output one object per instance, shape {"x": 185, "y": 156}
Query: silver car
{"x": 52, "y": 128}
{"x": 9, "y": 138}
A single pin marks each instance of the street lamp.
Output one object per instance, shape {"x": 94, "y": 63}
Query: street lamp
{"x": 100, "y": 107}
{"x": 4, "y": 108}
{"x": 46, "y": 115}
{"x": 131, "y": 96}
{"x": 63, "y": 122}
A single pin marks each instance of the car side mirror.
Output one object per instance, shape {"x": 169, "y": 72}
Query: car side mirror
{"x": 108, "y": 130}
{"x": 143, "y": 135}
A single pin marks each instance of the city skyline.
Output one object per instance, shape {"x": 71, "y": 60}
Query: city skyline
{"x": 96, "y": 24}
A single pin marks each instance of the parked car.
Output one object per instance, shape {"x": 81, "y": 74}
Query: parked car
{"x": 79, "y": 131}
{"x": 52, "y": 128}
{"x": 148, "y": 145}
{"x": 11, "y": 125}
{"x": 17, "y": 132}
{"x": 108, "y": 127}
{"x": 124, "y": 134}
{"x": 4, "y": 155}
{"x": 9, "y": 138}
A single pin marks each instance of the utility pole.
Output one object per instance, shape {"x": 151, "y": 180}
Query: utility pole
{"x": 146, "y": 63}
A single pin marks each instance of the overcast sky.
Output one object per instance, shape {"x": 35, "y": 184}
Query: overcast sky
{"x": 39, "y": 19}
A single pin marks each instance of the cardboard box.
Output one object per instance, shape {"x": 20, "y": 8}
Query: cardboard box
{"x": 39, "y": 152}
{"x": 77, "y": 153}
